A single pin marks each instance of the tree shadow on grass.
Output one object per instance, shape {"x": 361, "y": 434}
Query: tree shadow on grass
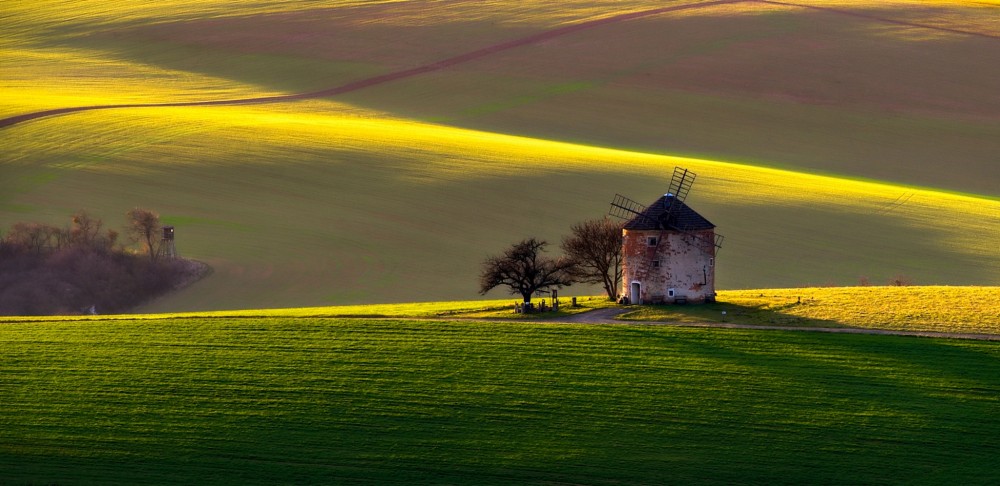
{"x": 763, "y": 314}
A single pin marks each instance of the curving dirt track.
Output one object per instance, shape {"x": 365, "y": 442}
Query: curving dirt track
{"x": 473, "y": 55}
{"x": 384, "y": 78}
{"x": 876, "y": 18}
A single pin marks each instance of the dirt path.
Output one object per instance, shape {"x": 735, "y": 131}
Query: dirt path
{"x": 384, "y": 78}
{"x": 598, "y": 316}
{"x": 607, "y": 316}
{"x": 467, "y": 57}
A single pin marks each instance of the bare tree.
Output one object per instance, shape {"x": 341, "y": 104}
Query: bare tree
{"x": 595, "y": 249}
{"x": 524, "y": 270}
{"x": 86, "y": 231}
{"x": 144, "y": 228}
{"x": 34, "y": 238}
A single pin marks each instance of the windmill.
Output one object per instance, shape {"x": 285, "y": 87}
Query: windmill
{"x": 668, "y": 216}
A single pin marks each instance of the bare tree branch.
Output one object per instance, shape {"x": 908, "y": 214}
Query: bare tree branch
{"x": 144, "y": 228}
{"x": 524, "y": 270}
{"x": 595, "y": 249}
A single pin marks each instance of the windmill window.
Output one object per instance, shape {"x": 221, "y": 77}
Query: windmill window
{"x": 656, "y": 264}
{"x": 651, "y": 240}
{"x": 711, "y": 262}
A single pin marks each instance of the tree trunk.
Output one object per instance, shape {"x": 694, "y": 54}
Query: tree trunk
{"x": 150, "y": 245}
{"x": 609, "y": 288}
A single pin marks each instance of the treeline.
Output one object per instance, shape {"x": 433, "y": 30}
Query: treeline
{"x": 84, "y": 267}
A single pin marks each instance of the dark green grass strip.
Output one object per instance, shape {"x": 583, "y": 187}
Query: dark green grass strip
{"x": 285, "y": 400}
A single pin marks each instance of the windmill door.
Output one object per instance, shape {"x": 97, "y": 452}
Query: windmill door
{"x": 635, "y": 295}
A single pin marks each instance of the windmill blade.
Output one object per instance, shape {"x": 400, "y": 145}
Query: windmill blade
{"x": 680, "y": 183}
{"x": 625, "y": 208}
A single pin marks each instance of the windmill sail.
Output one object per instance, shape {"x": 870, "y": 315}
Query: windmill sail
{"x": 670, "y": 213}
{"x": 627, "y": 209}
{"x": 680, "y": 183}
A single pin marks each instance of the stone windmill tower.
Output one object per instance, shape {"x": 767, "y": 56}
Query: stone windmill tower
{"x": 668, "y": 249}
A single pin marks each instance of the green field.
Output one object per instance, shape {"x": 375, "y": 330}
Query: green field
{"x": 325, "y": 400}
{"x": 830, "y": 146}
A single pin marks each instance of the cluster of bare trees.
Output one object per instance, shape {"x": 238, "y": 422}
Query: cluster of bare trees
{"x": 84, "y": 231}
{"x": 593, "y": 254}
{"x": 47, "y": 269}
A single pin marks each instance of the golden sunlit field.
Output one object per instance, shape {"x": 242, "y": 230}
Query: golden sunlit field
{"x": 935, "y": 309}
{"x": 831, "y": 146}
{"x": 938, "y": 309}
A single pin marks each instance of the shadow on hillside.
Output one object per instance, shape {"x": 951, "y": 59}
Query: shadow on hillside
{"x": 765, "y": 314}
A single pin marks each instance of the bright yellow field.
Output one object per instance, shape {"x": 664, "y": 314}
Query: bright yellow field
{"x": 932, "y": 308}
{"x": 502, "y": 309}
{"x": 922, "y": 308}
{"x": 59, "y": 78}
{"x": 964, "y": 309}
{"x": 398, "y": 192}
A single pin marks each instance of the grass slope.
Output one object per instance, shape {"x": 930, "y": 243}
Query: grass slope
{"x": 325, "y": 202}
{"x": 885, "y": 90}
{"x": 276, "y": 400}
{"x": 322, "y": 203}
{"x": 791, "y": 87}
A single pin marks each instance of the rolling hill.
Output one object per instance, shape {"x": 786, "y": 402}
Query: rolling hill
{"x": 857, "y": 140}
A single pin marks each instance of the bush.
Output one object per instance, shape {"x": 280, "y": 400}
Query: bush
{"x": 45, "y": 270}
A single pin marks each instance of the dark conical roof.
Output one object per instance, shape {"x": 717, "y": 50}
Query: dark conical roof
{"x": 682, "y": 217}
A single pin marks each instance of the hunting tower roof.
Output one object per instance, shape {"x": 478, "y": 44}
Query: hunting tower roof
{"x": 659, "y": 215}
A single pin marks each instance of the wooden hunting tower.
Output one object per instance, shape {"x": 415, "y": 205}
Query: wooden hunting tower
{"x": 668, "y": 249}
{"x": 167, "y": 248}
